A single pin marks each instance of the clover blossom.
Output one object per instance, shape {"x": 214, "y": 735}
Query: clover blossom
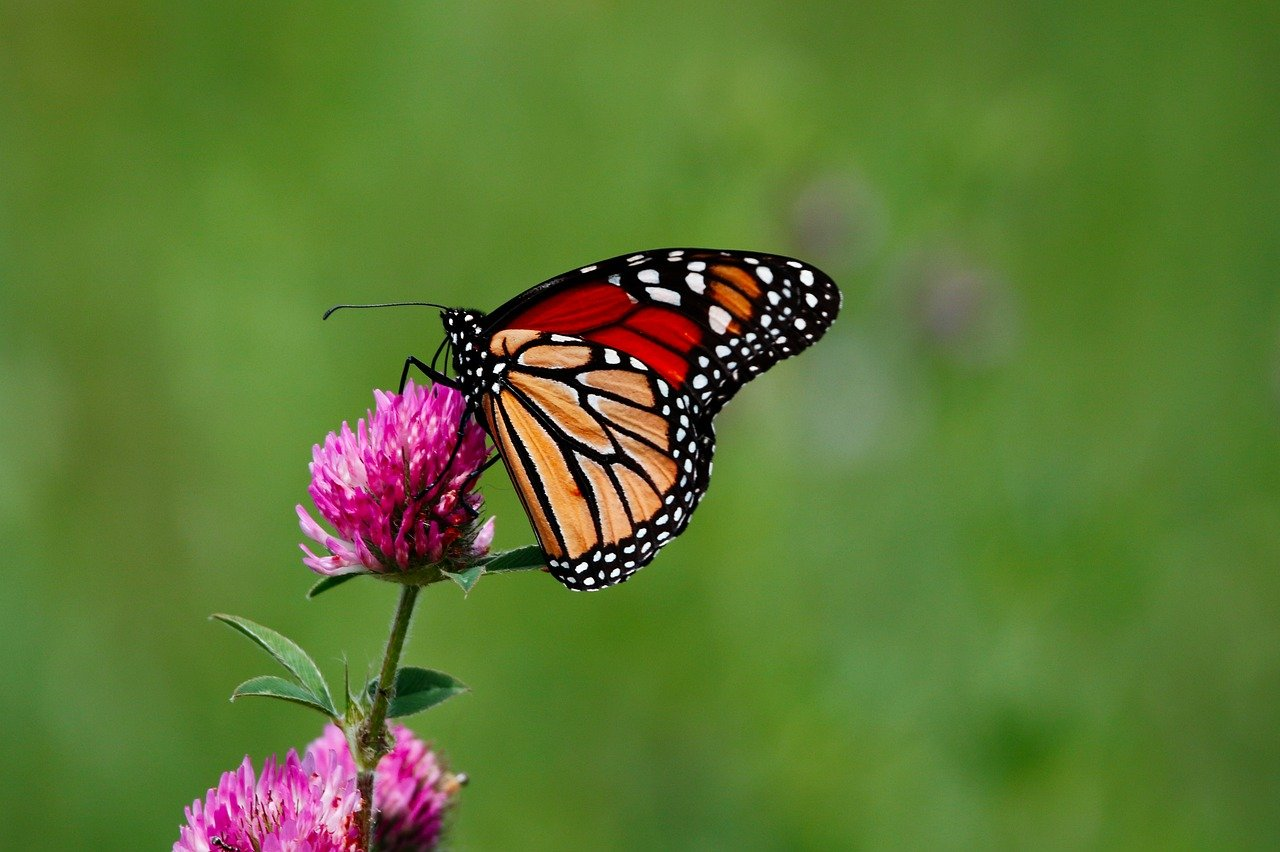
{"x": 412, "y": 790}
{"x": 384, "y": 487}
{"x": 301, "y": 805}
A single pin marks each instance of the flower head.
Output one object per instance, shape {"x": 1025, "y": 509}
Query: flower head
{"x": 412, "y": 791}
{"x": 301, "y": 805}
{"x": 385, "y": 489}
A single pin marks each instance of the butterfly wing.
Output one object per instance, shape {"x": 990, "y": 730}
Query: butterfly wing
{"x": 609, "y": 458}
{"x": 599, "y": 388}
{"x": 704, "y": 319}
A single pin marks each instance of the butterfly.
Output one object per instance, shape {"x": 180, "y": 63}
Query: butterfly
{"x": 600, "y": 387}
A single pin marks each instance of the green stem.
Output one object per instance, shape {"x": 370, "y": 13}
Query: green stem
{"x": 372, "y": 741}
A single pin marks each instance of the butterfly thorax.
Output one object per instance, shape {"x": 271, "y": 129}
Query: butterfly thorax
{"x": 472, "y": 361}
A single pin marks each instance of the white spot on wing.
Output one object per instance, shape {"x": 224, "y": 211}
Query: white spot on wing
{"x": 719, "y": 319}
{"x": 662, "y": 294}
{"x": 806, "y": 277}
{"x": 649, "y": 276}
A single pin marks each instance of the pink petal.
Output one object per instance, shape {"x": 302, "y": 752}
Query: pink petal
{"x": 484, "y": 539}
{"x": 366, "y": 479}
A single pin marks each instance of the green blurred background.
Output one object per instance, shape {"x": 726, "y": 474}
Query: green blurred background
{"x": 995, "y": 565}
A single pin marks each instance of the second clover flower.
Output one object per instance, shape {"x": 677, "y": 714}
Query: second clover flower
{"x": 310, "y": 802}
{"x": 384, "y": 487}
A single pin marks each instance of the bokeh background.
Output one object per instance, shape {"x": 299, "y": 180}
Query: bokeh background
{"x": 995, "y": 565}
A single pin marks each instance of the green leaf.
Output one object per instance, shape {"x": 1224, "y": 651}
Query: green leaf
{"x": 521, "y": 559}
{"x": 269, "y": 686}
{"x": 287, "y": 653}
{"x": 327, "y": 583}
{"x": 418, "y": 689}
{"x": 466, "y": 578}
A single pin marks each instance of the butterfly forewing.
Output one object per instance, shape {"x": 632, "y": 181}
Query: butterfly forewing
{"x": 707, "y": 319}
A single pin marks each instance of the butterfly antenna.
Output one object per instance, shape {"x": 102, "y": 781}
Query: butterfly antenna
{"x": 387, "y": 305}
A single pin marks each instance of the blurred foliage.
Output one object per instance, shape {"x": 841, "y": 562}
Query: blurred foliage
{"x": 993, "y": 565}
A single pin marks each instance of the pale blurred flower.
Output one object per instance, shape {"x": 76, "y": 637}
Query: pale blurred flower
{"x": 961, "y": 310}
{"x": 837, "y": 219}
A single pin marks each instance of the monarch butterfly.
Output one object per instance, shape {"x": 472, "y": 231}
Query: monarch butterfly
{"x": 599, "y": 389}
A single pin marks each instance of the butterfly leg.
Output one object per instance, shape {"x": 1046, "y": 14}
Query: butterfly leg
{"x": 453, "y": 454}
{"x": 489, "y": 462}
{"x": 481, "y": 469}
{"x": 440, "y": 379}
{"x": 430, "y": 372}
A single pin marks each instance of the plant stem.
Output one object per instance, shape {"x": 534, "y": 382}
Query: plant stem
{"x": 364, "y": 816}
{"x": 372, "y": 741}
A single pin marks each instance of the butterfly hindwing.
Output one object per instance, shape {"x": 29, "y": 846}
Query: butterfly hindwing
{"x": 609, "y": 459}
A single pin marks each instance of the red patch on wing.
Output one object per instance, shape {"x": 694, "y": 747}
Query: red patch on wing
{"x": 672, "y": 366}
{"x": 607, "y": 314}
{"x": 575, "y": 309}
{"x": 671, "y": 328}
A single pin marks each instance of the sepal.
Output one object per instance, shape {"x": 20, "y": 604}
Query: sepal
{"x": 527, "y": 558}
{"x": 466, "y": 575}
{"x": 324, "y": 584}
{"x": 466, "y": 578}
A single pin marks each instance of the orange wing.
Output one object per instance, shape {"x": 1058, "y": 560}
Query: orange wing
{"x": 609, "y": 459}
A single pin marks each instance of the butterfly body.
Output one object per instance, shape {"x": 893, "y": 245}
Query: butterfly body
{"x": 599, "y": 389}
